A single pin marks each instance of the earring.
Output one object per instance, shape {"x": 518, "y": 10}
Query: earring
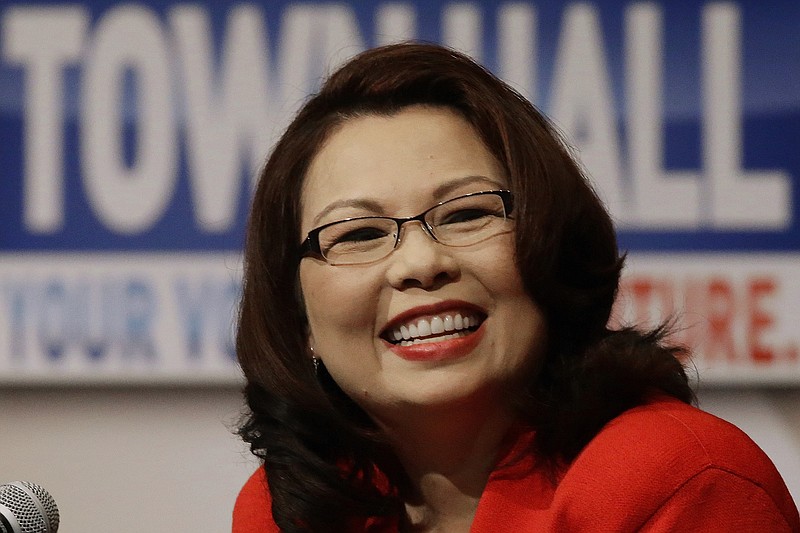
{"x": 314, "y": 360}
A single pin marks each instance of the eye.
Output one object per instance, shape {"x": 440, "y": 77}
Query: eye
{"x": 467, "y": 215}
{"x": 360, "y": 235}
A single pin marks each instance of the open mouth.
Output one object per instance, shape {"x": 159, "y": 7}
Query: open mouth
{"x": 435, "y": 328}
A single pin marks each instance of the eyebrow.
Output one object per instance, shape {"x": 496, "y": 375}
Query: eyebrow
{"x": 439, "y": 194}
{"x": 445, "y": 189}
{"x": 359, "y": 203}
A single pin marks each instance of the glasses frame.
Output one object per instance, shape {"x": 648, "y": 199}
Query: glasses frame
{"x": 310, "y": 246}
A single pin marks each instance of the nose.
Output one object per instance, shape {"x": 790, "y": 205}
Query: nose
{"x": 419, "y": 261}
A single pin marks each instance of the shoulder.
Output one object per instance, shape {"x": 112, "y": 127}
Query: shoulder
{"x": 654, "y": 456}
{"x": 252, "y": 512}
{"x": 674, "y": 438}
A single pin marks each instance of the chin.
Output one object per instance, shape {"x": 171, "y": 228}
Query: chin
{"x": 436, "y": 392}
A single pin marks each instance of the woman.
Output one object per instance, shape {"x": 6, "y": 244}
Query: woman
{"x": 423, "y": 329}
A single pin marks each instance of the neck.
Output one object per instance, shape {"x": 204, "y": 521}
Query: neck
{"x": 448, "y": 454}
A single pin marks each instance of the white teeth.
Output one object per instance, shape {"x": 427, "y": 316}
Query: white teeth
{"x": 423, "y": 328}
{"x": 448, "y": 323}
{"x": 436, "y": 326}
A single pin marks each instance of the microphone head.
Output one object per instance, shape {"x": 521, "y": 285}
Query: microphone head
{"x": 33, "y": 508}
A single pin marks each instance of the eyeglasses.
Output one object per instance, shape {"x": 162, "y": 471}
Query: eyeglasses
{"x": 461, "y": 221}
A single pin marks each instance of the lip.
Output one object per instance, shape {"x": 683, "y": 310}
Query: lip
{"x": 439, "y": 351}
{"x": 427, "y": 310}
{"x": 436, "y": 351}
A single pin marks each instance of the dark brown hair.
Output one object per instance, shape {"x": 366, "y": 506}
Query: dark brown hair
{"x": 320, "y": 450}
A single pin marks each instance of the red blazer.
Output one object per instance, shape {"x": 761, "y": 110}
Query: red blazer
{"x": 660, "y": 467}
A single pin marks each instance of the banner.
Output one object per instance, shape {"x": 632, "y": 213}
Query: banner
{"x": 132, "y": 132}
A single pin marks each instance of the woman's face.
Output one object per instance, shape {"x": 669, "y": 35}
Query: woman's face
{"x": 400, "y": 166}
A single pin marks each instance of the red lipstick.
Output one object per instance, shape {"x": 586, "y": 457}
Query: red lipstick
{"x": 439, "y": 351}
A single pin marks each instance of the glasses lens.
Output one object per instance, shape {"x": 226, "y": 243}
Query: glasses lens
{"x": 357, "y": 241}
{"x": 468, "y": 219}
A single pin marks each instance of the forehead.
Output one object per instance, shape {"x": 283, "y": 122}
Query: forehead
{"x": 397, "y": 162}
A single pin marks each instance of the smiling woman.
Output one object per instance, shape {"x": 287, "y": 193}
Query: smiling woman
{"x": 436, "y": 155}
{"x": 423, "y": 329}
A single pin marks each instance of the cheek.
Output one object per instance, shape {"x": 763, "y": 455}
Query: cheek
{"x": 497, "y": 269}
{"x": 340, "y": 305}
{"x": 521, "y": 321}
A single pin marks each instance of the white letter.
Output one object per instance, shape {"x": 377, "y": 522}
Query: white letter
{"x": 660, "y": 198}
{"x": 128, "y": 199}
{"x": 739, "y": 199}
{"x": 44, "y": 40}
{"x": 583, "y": 105}
{"x": 516, "y": 36}
{"x": 315, "y": 39}
{"x": 225, "y": 114}
{"x": 395, "y": 22}
{"x": 461, "y": 29}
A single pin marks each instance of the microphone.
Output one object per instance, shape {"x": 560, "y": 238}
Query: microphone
{"x": 27, "y": 508}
